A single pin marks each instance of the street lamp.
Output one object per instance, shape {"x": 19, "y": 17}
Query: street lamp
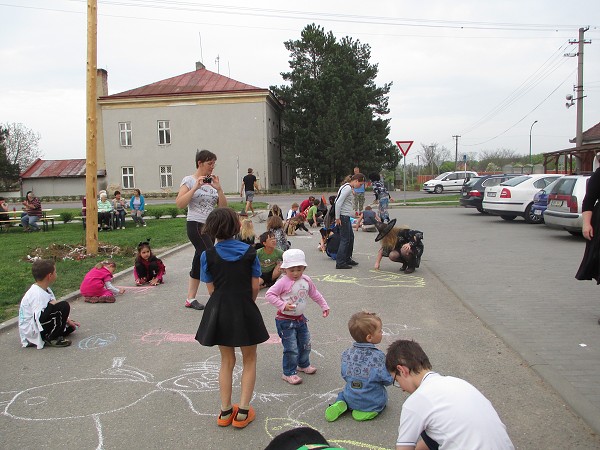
{"x": 531, "y": 128}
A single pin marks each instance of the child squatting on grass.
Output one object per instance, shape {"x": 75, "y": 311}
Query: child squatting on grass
{"x": 364, "y": 370}
{"x": 290, "y": 296}
{"x": 43, "y": 320}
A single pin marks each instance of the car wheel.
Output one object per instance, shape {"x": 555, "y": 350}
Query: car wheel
{"x": 576, "y": 233}
{"x": 508, "y": 217}
{"x": 481, "y": 210}
{"x": 438, "y": 189}
{"x": 530, "y": 217}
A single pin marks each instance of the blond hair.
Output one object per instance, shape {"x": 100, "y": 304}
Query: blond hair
{"x": 102, "y": 264}
{"x": 363, "y": 323}
{"x": 247, "y": 229}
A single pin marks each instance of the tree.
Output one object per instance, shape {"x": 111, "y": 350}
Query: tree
{"x": 21, "y": 145}
{"x": 9, "y": 172}
{"x": 333, "y": 111}
{"x": 433, "y": 156}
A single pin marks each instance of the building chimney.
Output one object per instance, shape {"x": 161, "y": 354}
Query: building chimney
{"x": 101, "y": 83}
{"x": 200, "y": 66}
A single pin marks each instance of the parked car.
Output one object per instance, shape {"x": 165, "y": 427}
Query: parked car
{"x": 540, "y": 203}
{"x": 564, "y": 204}
{"x": 448, "y": 181}
{"x": 514, "y": 197}
{"x": 471, "y": 195}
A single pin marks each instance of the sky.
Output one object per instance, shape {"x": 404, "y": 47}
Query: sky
{"x": 485, "y": 71}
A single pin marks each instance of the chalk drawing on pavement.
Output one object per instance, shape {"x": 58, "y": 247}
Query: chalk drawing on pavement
{"x": 378, "y": 279}
{"x": 97, "y": 341}
{"x": 162, "y": 337}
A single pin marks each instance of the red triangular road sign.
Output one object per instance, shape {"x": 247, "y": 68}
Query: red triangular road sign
{"x": 404, "y": 146}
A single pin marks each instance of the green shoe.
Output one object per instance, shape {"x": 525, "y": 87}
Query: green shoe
{"x": 336, "y": 410}
{"x": 361, "y": 416}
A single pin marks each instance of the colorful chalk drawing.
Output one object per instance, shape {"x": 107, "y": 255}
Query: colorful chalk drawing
{"x": 161, "y": 337}
{"x": 379, "y": 279}
{"x": 128, "y": 386}
{"x": 97, "y": 341}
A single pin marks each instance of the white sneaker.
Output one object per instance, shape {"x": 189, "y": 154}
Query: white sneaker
{"x": 137, "y": 225}
{"x": 144, "y": 225}
{"x": 122, "y": 228}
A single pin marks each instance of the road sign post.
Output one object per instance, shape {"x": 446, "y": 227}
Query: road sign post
{"x": 404, "y": 147}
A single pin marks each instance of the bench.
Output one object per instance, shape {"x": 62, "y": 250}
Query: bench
{"x": 48, "y": 220}
{"x": 6, "y": 224}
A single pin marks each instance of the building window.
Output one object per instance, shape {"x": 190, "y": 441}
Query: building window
{"x": 166, "y": 177}
{"x": 127, "y": 177}
{"x": 125, "y": 134}
{"x": 164, "y": 132}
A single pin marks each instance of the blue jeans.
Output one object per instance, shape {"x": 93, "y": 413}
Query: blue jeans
{"x": 346, "y": 248}
{"x": 295, "y": 338}
{"x": 30, "y": 221}
{"x": 120, "y": 218}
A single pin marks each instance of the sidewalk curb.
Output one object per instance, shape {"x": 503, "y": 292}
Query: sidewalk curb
{"x": 72, "y": 296}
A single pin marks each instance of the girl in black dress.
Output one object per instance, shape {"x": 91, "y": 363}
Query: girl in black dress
{"x": 231, "y": 271}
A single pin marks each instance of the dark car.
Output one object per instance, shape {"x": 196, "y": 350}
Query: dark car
{"x": 540, "y": 203}
{"x": 472, "y": 191}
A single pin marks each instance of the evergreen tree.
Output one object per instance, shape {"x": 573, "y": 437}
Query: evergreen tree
{"x": 9, "y": 173}
{"x": 333, "y": 111}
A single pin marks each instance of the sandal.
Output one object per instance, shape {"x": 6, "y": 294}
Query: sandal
{"x": 230, "y": 413}
{"x": 250, "y": 415}
{"x": 194, "y": 304}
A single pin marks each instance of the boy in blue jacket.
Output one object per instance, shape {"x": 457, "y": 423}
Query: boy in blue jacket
{"x": 363, "y": 369}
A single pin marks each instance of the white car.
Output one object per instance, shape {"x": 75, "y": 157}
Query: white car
{"x": 448, "y": 181}
{"x": 565, "y": 204}
{"x": 514, "y": 197}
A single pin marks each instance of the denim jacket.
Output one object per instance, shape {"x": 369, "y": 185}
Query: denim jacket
{"x": 363, "y": 368}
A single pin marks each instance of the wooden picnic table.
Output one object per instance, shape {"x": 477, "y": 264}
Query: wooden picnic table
{"x": 14, "y": 217}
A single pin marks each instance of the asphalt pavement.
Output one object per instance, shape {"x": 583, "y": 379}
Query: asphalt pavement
{"x": 135, "y": 378}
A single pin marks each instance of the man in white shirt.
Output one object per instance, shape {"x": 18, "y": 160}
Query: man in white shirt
{"x": 442, "y": 412}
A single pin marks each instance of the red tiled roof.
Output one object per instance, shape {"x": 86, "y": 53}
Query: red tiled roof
{"x": 199, "y": 81}
{"x": 593, "y": 134}
{"x": 61, "y": 168}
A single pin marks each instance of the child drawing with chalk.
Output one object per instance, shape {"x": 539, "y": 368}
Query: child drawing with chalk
{"x": 290, "y": 296}
{"x": 363, "y": 369}
{"x": 231, "y": 319}
{"x": 147, "y": 268}
{"x": 97, "y": 286}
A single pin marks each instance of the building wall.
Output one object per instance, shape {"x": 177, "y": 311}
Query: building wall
{"x": 48, "y": 187}
{"x": 235, "y": 129}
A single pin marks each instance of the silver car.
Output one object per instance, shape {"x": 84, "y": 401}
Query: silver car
{"x": 564, "y": 204}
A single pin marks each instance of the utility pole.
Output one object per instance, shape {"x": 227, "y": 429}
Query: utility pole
{"x": 579, "y": 89}
{"x": 91, "y": 164}
{"x": 456, "y": 153}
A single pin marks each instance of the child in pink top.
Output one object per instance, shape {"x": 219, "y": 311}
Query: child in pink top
{"x": 96, "y": 286}
{"x": 290, "y": 295}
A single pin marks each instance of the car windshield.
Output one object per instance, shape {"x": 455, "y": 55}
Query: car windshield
{"x": 515, "y": 181}
{"x": 472, "y": 181}
{"x": 441, "y": 176}
{"x": 549, "y": 188}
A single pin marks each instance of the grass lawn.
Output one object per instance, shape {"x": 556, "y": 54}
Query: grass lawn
{"x": 15, "y": 266}
{"x": 431, "y": 198}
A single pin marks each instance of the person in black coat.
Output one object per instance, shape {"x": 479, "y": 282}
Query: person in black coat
{"x": 590, "y": 264}
{"x": 400, "y": 244}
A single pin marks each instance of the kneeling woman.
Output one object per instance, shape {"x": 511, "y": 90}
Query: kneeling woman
{"x": 400, "y": 244}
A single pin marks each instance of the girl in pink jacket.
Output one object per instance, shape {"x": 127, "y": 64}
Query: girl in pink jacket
{"x": 96, "y": 286}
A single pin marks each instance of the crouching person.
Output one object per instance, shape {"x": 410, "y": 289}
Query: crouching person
{"x": 399, "y": 244}
{"x": 43, "y": 320}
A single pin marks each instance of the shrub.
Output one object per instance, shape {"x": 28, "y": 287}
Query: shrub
{"x": 173, "y": 211}
{"x": 157, "y": 213}
{"x": 66, "y": 216}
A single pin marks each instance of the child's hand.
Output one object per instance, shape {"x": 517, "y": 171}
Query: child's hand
{"x": 153, "y": 282}
{"x": 72, "y": 323}
{"x": 290, "y": 307}
{"x": 376, "y": 266}
{"x": 122, "y": 291}
{"x": 326, "y": 313}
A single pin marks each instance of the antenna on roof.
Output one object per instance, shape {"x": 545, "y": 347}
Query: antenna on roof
{"x": 217, "y": 59}
{"x": 228, "y": 70}
{"x": 201, "y": 57}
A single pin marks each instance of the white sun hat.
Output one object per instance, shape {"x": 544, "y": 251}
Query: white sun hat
{"x": 292, "y": 258}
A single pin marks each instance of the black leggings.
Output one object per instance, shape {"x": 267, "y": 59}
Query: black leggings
{"x": 200, "y": 242}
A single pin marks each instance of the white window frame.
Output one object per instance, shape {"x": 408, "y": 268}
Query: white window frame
{"x": 166, "y": 176}
{"x": 125, "y": 134}
{"x": 128, "y": 177}
{"x": 164, "y": 132}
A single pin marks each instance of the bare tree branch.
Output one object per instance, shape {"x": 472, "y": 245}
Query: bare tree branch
{"x": 21, "y": 145}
